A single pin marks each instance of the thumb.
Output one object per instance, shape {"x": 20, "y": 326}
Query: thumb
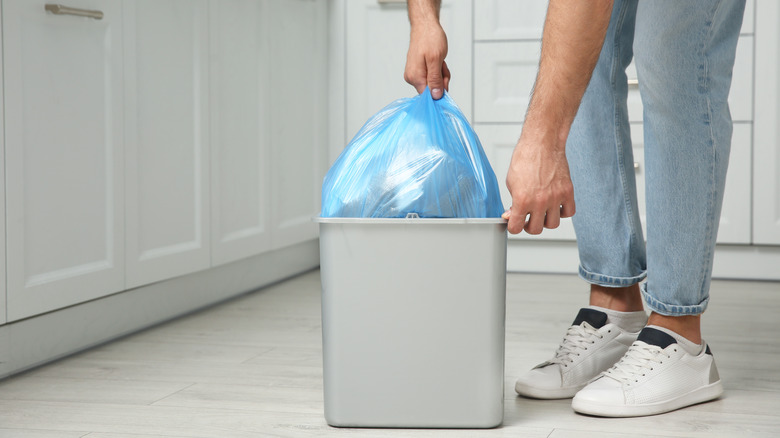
{"x": 435, "y": 78}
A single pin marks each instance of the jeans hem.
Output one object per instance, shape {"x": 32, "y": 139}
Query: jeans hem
{"x": 672, "y": 309}
{"x": 608, "y": 280}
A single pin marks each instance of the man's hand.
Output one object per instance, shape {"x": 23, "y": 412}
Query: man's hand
{"x": 541, "y": 188}
{"x": 425, "y": 64}
{"x": 538, "y": 177}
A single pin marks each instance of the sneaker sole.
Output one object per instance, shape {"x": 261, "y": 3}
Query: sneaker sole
{"x": 701, "y": 395}
{"x": 546, "y": 394}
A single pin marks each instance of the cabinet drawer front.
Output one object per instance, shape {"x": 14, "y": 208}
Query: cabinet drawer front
{"x": 65, "y": 202}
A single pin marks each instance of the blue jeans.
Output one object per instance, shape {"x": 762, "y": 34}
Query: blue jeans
{"x": 684, "y": 54}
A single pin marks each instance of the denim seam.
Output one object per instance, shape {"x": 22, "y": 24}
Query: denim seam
{"x": 707, "y": 259}
{"x": 616, "y": 57}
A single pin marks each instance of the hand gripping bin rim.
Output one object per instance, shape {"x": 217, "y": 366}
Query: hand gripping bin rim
{"x": 413, "y": 321}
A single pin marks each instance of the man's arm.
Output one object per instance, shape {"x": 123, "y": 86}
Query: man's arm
{"x": 427, "y": 49}
{"x": 538, "y": 177}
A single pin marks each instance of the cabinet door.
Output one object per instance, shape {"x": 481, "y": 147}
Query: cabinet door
{"x": 167, "y": 160}
{"x": 376, "y": 44}
{"x": 504, "y": 74}
{"x": 766, "y": 147}
{"x": 509, "y": 20}
{"x": 296, "y": 33}
{"x": 240, "y": 156}
{"x": 64, "y": 182}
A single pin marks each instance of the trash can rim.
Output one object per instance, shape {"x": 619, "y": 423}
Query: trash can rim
{"x": 438, "y": 221}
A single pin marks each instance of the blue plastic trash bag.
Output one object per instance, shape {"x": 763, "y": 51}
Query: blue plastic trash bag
{"x": 417, "y": 155}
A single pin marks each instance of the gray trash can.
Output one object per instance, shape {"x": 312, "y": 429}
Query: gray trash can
{"x": 413, "y": 315}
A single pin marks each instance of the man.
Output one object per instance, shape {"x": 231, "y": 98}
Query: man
{"x": 575, "y": 145}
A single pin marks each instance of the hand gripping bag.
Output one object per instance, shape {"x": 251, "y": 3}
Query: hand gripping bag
{"x": 416, "y": 155}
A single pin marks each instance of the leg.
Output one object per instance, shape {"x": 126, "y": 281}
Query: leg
{"x": 684, "y": 55}
{"x": 609, "y": 233}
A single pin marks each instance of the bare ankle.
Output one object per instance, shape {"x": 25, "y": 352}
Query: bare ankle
{"x": 621, "y": 299}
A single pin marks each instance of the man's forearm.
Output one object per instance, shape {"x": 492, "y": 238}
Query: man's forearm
{"x": 421, "y": 11}
{"x": 573, "y": 36}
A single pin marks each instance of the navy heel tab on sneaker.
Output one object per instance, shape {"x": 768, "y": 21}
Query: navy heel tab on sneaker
{"x": 708, "y": 351}
{"x": 652, "y": 336}
{"x": 593, "y": 317}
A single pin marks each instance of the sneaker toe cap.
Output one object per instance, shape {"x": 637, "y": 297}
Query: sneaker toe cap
{"x": 602, "y": 391}
{"x": 548, "y": 377}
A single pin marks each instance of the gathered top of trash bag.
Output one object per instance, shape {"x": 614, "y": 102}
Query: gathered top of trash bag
{"x": 415, "y": 156}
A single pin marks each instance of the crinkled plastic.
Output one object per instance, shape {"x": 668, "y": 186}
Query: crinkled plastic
{"x": 417, "y": 155}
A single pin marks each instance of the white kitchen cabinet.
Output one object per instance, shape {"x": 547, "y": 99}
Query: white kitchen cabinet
{"x": 240, "y": 147}
{"x": 2, "y": 189}
{"x": 269, "y": 90}
{"x": 377, "y": 39}
{"x": 766, "y": 145}
{"x": 167, "y": 139}
{"x": 63, "y": 144}
{"x": 504, "y": 75}
{"x": 509, "y": 20}
{"x": 735, "y": 216}
{"x": 297, "y": 103}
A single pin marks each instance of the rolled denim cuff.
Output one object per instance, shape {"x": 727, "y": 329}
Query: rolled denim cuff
{"x": 608, "y": 280}
{"x": 672, "y": 309}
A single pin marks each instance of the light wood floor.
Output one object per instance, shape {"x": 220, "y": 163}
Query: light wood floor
{"x": 252, "y": 368}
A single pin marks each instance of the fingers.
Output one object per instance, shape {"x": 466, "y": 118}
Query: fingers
{"x": 568, "y": 209}
{"x": 415, "y": 78}
{"x": 435, "y": 77}
{"x": 446, "y": 73}
{"x": 516, "y": 221}
{"x": 519, "y": 219}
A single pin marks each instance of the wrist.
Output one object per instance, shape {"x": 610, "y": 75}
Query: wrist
{"x": 546, "y": 134}
{"x": 423, "y": 13}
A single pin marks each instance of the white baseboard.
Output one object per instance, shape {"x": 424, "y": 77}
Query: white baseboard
{"x": 31, "y": 342}
{"x": 736, "y": 262}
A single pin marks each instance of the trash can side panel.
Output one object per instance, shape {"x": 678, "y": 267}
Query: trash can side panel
{"x": 413, "y": 324}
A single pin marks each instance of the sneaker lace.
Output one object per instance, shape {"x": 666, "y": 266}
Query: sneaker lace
{"x": 577, "y": 339}
{"x": 638, "y": 360}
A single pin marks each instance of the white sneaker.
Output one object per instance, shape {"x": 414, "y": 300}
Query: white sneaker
{"x": 656, "y": 375}
{"x": 590, "y": 346}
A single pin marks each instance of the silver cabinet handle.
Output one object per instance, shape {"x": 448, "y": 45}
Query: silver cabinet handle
{"x": 636, "y": 165}
{"x": 391, "y": 2}
{"x": 64, "y": 10}
{"x": 633, "y": 82}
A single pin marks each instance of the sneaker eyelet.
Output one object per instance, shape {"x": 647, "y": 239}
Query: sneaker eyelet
{"x": 675, "y": 350}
